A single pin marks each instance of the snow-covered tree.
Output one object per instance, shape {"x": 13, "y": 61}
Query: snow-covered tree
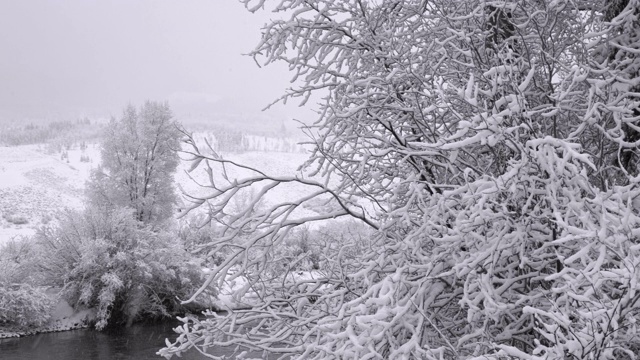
{"x": 491, "y": 146}
{"x": 139, "y": 159}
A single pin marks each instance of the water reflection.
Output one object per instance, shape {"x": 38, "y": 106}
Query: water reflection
{"x": 137, "y": 342}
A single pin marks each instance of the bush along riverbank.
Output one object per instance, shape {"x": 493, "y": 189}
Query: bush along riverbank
{"x": 95, "y": 268}
{"x": 29, "y": 311}
{"x": 99, "y": 259}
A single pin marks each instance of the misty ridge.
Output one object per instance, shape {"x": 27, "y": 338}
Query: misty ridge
{"x": 320, "y": 180}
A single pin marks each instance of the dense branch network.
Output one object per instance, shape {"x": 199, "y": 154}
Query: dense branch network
{"x": 492, "y": 149}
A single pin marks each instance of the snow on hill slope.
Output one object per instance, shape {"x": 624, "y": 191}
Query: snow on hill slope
{"x": 34, "y": 185}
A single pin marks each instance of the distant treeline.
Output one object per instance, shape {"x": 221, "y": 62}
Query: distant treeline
{"x": 58, "y": 133}
{"x": 63, "y": 135}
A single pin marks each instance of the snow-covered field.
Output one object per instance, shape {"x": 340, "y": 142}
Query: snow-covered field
{"x": 34, "y": 185}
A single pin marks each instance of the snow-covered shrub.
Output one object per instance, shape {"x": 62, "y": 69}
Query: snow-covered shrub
{"x": 104, "y": 258}
{"x": 298, "y": 252}
{"x": 16, "y": 219}
{"x": 195, "y": 232}
{"x": 23, "y": 305}
{"x": 17, "y": 262}
{"x": 316, "y": 249}
{"x": 304, "y": 248}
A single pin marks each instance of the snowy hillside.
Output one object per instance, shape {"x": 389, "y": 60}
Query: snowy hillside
{"x": 35, "y": 184}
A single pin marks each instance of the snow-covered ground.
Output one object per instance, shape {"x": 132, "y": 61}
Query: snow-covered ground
{"x": 35, "y": 184}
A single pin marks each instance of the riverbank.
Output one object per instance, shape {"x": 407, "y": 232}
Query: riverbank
{"x": 6, "y": 333}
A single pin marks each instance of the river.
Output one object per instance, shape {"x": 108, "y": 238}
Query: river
{"x": 139, "y": 342}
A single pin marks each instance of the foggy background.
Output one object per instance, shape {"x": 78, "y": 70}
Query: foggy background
{"x": 72, "y": 58}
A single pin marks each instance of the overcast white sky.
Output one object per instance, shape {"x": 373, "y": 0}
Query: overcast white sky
{"x": 95, "y": 56}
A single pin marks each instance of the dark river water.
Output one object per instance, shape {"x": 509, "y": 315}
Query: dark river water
{"x": 138, "y": 342}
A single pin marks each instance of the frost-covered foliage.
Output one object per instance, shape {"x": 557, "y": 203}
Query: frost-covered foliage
{"x": 300, "y": 251}
{"x": 492, "y": 148}
{"x": 16, "y": 262}
{"x": 310, "y": 250}
{"x": 105, "y": 259}
{"x": 194, "y": 233}
{"x": 21, "y": 304}
{"x": 139, "y": 159}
